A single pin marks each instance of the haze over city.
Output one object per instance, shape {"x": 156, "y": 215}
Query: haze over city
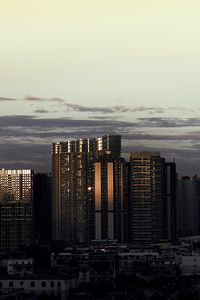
{"x": 73, "y": 69}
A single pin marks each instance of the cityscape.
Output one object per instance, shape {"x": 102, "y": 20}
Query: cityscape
{"x": 99, "y": 226}
{"x": 99, "y": 150}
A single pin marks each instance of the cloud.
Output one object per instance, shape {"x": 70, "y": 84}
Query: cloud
{"x": 94, "y": 109}
{"x": 121, "y": 109}
{"x": 158, "y": 137}
{"x": 169, "y": 122}
{"x": 45, "y": 130}
{"x": 41, "y": 99}
{"x": 104, "y": 117}
{"x": 26, "y": 139}
{"x": 100, "y": 109}
{"x": 150, "y": 109}
{"x": 2, "y": 99}
{"x": 32, "y": 121}
{"x": 114, "y": 109}
{"x": 34, "y": 127}
{"x": 31, "y": 156}
{"x": 41, "y": 111}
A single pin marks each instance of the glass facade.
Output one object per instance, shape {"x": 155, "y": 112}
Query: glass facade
{"x": 75, "y": 188}
{"x": 16, "y": 195}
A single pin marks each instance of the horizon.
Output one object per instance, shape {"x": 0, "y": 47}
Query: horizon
{"x": 79, "y": 69}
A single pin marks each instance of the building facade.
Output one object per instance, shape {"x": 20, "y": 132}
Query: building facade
{"x": 170, "y": 178}
{"x": 152, "y": 198}
{"x": 42, "y": 210}
{"x": 73, "y": 179}
{"x": 109, "y": 198}
{"x": 16, "y": 213}
{"x": 188, "y": 206}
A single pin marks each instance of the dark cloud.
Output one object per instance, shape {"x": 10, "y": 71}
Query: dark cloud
{"x": 105, "y": 117}
{"x": 32, "y": 121}
{"x": 153, "y": 109}
{"x": 31, "y": 126}
{"x": 33, "y": 156}
{"x": 169, "y": 122}
{"x": 113, "y": 109}
{"x": 41, "y": 111}
{"x": 121, "y": 109}
{"x": 7, "y": 99}
{"x": 81, "y": 108}
{"x": 164, "y": 137}
{"x": 98, "y": 109}
{"x": 25, "y": 140}
{"x": 41, "y": 99}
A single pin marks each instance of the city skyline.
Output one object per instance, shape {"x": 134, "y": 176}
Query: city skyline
{"x": 73, "y": 69}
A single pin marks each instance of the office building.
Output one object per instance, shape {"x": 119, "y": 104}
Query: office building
{"x": 188, "y": 206}
{"x": 42, "y": 210}
{"x": 108, "y": 145}
{"x": 16, "y": 199}
{"x": 73, "y": 180}
{"x": 152, "y": 214}
{"x": 110, "y": 200}
{"x": 170, "y": 195}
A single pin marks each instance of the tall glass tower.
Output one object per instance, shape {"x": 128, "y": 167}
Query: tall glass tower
{"x": 152, "y": 198}
{"x": 74, "y": 179}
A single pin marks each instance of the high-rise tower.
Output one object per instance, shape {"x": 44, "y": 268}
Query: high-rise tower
{"x": 109, "y": 198}
{"x": 189, "y": 205}
{"x": 71, "y": 175}
{"x": 42, "y": 210}
{"x": 16, "y": 202}
{"x": 73, "y": 178}
{"x": 152, "y": 198}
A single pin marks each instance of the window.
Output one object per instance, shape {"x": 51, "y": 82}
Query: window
{"x": 32, "y": 283}
{"x": 58, "y": 284}
{"x": 10, "y": 283}
{"x": 52, "y": 283}
{"x": 43, "y": 283}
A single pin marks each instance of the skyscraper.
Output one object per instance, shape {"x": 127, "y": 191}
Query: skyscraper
{"x": 73, "y": 174}
{"x": 109, "y": 199}
{"x": 71, "y": 182}
{"x": 170, "y": 203}
{"x": 152, "y": 198}
{"x": 16, "y": 200}
{"x": 42, "y": 211}
{"x": 189, "y": 205}
{"x": 108, "y": 145}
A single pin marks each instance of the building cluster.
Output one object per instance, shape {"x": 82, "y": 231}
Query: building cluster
{"x": 92, "y": 193}
{"x": 25, "y": 208}
{"x": 99, "y": 219}
{"x": 98, "y": 195}
{"x": 107, "y": 270}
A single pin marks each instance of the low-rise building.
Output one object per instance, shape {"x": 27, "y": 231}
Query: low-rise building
{"x": 20, "y": 267}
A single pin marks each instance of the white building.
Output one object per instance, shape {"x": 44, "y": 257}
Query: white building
{"x": 38, "y": 286}
{"x": 190, "y": 264}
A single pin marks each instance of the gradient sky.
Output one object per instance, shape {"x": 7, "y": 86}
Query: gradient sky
{"x": 76, "y": 68}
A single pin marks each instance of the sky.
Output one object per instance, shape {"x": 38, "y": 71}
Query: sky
{"x": 77, "y": 69}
